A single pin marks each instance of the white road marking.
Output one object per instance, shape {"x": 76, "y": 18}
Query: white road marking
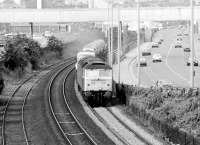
{"x": 170, "y": 68}
{"x": 67, "y": 122}
{"x": 73, "y": 134}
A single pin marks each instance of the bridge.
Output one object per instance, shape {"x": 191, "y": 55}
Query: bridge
{"x": 96, "y": 14}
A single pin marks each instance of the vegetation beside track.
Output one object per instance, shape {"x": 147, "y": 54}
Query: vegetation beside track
{"x": 22, "y": 53}
{"x": 171, "y": 111}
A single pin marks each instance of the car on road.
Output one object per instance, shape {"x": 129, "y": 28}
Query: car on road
{"x": 179, "y": 39}
{"x": 143, "y": 62}
{"x": 163, "y": 83}
{"x": 155, "y": 45}
{"x": 159, "y": 41}
{"x": 186, "y": 49}
{"x": 157, "y": 57}
{"x": 146, "y": 52}
{"x": 179, "y": 34}
{"x": 178, "y": 45}
{"x": 195, "y": 62}
{"x": 186, "y": 33}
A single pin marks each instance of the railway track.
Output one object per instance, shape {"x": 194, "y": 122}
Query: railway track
{"x": 146, "y": 142}
{"x": 13, "y": 110}
{"x": 71, "y": 129}
{"x": 123, "y": 132}
{"x": 15, "y": 115}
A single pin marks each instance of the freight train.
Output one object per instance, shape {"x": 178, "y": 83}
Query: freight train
{"x": 94, "y": 76}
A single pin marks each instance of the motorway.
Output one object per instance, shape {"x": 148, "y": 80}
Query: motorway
{"x": 173, "y": 66}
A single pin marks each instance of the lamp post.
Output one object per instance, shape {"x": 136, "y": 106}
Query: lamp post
{"x": 119, "y": 43}
{"x": 138, "y": 43}
{"x": 108, "y": 33}
{"x": 111, "y": 45}
{"x": 192, "y": 44}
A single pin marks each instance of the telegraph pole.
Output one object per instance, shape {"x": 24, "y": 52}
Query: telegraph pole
{"x": 192, "y": 44}
{"x": 138, "y": 42}
{"x": 119, "y": 43}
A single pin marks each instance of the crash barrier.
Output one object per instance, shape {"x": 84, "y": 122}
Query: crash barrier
{"x": 165, "y": 130}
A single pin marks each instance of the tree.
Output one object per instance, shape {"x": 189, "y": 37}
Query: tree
{"x": 20, "y": 51}
{"x": 33, "y": 52}
{"x": 15, "y": 57}
{"x": 55, "y": 45}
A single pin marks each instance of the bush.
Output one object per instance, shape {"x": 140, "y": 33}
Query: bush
{"x": 20, "y": 51}
{"x": 55, "y": 45}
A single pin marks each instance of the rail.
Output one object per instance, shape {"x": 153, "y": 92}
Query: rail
{"x": 68, "y": 68}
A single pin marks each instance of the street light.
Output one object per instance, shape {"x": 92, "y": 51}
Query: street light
{"x": 192, "y": 44}
{"x": 138, "y": 42}
{"x": 119, "y": 42}
{"x": 111, "y": 45}
{"x": 108, "y": 33}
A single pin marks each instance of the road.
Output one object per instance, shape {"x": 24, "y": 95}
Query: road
{"x": 173, "y": 67}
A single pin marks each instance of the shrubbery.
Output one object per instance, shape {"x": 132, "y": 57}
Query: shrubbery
{"x": 55, "y": 45}
{"x": 177, "y": 106}
{"x": 20, "y": 51}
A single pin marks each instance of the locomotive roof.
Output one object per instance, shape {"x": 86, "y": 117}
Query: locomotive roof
{"x": 87, "y": 60}
{"x": 93, "y": 63}
{"x": 98, "y": 66}
{"x": 97, "y": 44}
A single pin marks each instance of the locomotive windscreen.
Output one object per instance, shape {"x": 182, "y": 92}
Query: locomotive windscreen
{"x": 98, "y": 73}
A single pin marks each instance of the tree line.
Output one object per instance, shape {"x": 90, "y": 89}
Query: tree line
{"x": 21, "y": 52}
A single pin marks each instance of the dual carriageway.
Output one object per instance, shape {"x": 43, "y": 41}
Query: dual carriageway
{"x": 173, "y": 68}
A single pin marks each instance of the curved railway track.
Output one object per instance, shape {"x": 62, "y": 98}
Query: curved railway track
{"x": 20, "y": 121}
{"x": 6, "y": 109}
{"x": 72, "y": 130}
